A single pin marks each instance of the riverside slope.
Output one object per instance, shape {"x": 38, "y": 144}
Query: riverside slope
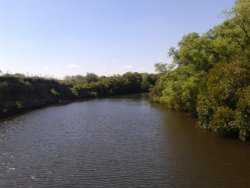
{"x": 17, "y": 95}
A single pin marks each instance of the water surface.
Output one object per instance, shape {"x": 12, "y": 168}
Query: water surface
{"x": 117, "y": 142}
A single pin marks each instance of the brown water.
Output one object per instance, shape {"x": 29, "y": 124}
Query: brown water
{"x": 117, "y": 142}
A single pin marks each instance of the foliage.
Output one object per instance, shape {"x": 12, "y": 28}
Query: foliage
{"x": 242, "y": 115}
{"x": 19, "y": 104}
{"x": 181, "y": 88}
{"x": 20, "y": 92}
{"x": 113, "y": 85}
{"x": 212, "y": 77}
{"x": 54, "y": 92}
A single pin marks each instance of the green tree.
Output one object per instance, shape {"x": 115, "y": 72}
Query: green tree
{"x": 91, "y": 77}
{"x": 211, "y": 75}
{"x": 221, "y": 106}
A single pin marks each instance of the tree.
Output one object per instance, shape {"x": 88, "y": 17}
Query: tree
{"x": 211, "y": 75}
{"x": 91, "y": 77}
{"x": 221, "y": 107}
{"x": 161, "y": 68}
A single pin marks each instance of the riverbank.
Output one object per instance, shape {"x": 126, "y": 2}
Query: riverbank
{"x": 19, "y": 93}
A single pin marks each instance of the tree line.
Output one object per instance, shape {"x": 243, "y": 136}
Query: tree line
{"x": 19, "y": 92}
{"x": 92, "y": 85}
{"x": 209, "y": 76}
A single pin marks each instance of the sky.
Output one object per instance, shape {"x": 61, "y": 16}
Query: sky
{"x": 69, "y": 37}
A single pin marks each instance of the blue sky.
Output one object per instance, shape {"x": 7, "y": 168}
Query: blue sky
{"x": 69, "y": 37}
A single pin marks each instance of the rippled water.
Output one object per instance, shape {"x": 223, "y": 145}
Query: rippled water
{"x": 117, "y": 142}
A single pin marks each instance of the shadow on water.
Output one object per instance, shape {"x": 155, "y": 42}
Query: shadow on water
{"x": 203, "y": 158}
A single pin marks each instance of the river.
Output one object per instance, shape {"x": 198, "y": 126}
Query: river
{"x": 117, "y": 142}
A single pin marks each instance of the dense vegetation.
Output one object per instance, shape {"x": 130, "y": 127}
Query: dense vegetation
{"x": 210, "y": 75}
{"x": 18, "y": 92}
{"x": 91, "y": 85}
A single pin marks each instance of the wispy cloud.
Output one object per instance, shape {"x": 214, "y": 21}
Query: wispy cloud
{"x": 46, "y": 68}
{"x": 115, "y": 60}
{"x": 73, "y": 65}
{"x": 125, "y": 68}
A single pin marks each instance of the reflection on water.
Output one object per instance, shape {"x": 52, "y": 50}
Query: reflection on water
{"x": 116, "y": 142}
